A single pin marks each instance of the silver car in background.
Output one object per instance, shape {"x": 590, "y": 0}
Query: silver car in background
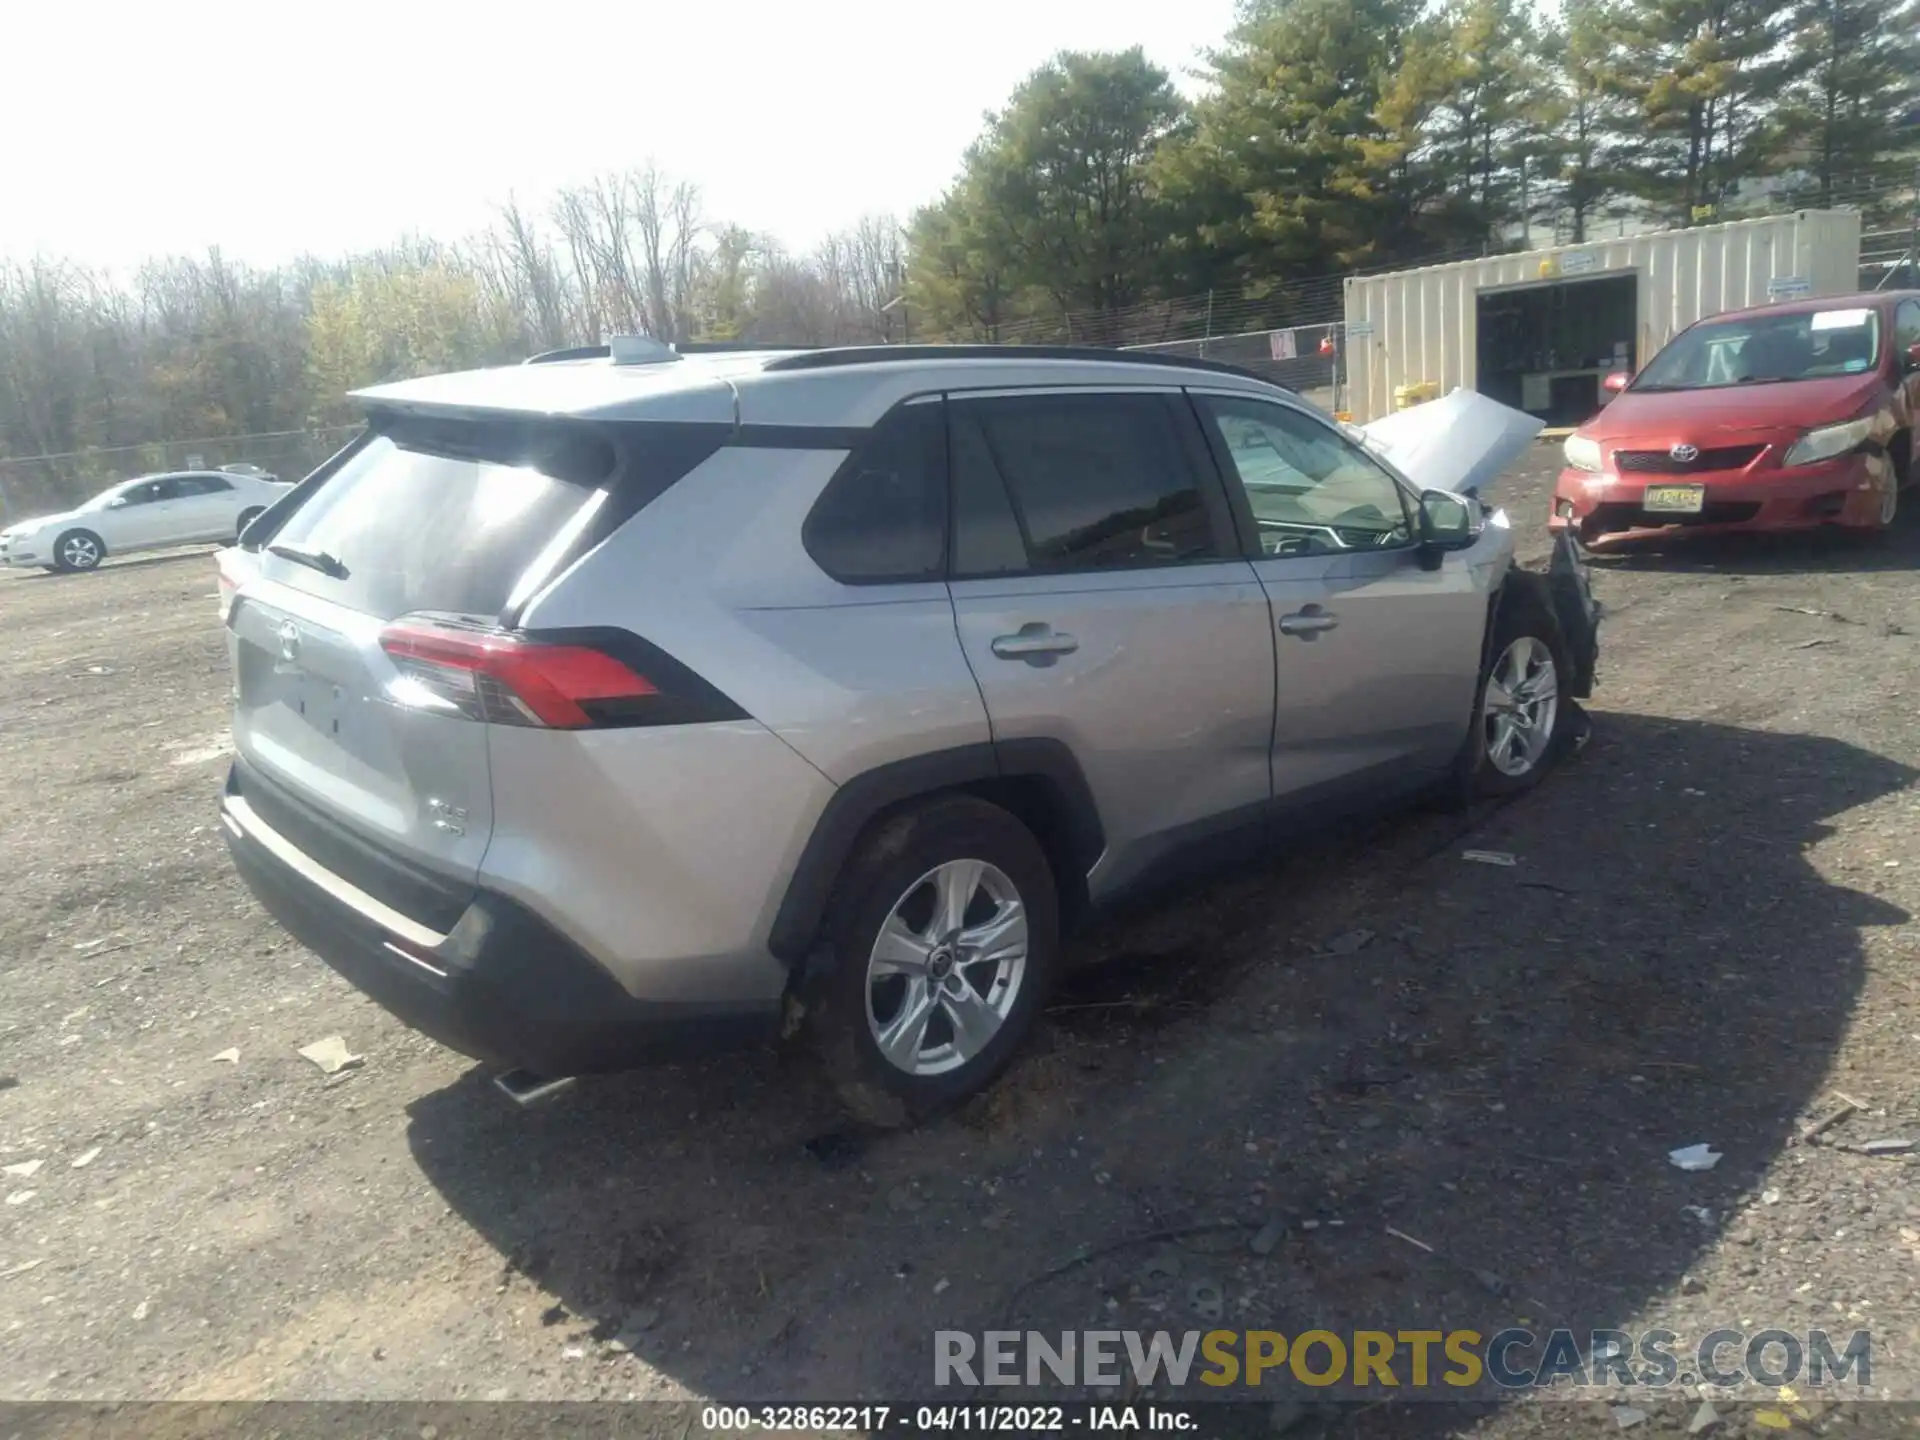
{"x": 150, "y": 512}
{"x": 635, "y": 703}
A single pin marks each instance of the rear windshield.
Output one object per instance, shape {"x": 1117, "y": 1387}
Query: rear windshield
{"x": 1768, "y": 349}
{"x": 413, "y": 531}
{"x": 436, "y": 524}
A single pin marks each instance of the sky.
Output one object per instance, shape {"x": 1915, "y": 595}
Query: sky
{"x": 273, "y": 130}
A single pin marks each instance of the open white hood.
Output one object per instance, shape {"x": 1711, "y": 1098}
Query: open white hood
{"x": 1458, "y": 443}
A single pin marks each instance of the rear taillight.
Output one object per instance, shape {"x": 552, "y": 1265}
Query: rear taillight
{"x": 230, "y": 563}
{"x": 507, "y": 679}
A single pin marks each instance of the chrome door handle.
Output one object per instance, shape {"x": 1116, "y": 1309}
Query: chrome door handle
{"x": 1307, "y": 623}
{"x": 1035, "y": 643}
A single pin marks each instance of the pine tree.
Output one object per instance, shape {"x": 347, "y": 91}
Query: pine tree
{"x": 1697, "y": 77}
{"x": 1855, "y": 77}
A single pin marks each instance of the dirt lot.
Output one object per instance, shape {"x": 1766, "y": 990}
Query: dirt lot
{"x": 1707, "y": 933}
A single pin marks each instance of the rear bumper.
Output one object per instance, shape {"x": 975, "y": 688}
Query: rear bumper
{"x": 1608, "y": 507}
{"x": 501, "y": 986}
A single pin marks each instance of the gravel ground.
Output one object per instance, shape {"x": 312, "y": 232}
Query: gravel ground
{"x": 1706, "y": 936}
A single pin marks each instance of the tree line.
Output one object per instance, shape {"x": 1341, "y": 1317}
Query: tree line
{"x": 1340, "y": 134}
{"x": 1328, "y": 135}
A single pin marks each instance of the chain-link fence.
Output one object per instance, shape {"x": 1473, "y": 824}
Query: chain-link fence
{"x": 1309, "y": 359}
{"x": 36, "y": 483}
{"x": 1888, "y": 261}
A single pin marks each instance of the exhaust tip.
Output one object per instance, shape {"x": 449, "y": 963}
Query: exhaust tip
{"x": 527, "y": 1089}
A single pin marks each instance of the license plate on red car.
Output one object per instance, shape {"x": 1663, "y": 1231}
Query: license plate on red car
{"x": 1675, "y": 499}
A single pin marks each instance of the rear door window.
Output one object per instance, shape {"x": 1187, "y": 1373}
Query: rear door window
{"x": 1070, "y": 482}
{"x": 1906, "y": 329}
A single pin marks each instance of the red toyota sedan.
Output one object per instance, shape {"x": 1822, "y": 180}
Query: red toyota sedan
{"x": 1784, "y": 418}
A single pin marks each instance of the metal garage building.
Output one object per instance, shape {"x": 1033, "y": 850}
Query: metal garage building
{"x": 1540, "y": 330}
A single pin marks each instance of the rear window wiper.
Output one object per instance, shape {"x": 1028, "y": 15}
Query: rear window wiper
{"x": 325, "y": 562}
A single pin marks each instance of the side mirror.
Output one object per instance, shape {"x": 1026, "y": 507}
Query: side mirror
{"x": 1616, "y": 382}
{"x": 1912, "y": 359}
{"x": 1448, "y": 522}
{"x": 118, "y": 502}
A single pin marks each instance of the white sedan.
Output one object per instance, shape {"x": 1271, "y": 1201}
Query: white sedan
{"x": 150, "y": 513}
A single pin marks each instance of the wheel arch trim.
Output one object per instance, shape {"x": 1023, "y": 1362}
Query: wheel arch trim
{"x": 853, "y": 809}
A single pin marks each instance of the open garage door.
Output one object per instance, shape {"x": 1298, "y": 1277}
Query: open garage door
{"x": 1545, "y": 348}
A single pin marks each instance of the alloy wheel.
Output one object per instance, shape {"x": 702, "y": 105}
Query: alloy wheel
{"x": 1523, "y": 697}
{"x": 946, "y": 968}
{"x": 80, "y": 552}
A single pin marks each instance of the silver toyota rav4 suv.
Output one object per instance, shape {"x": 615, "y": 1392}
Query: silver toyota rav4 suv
{"x": 638, "y": 702}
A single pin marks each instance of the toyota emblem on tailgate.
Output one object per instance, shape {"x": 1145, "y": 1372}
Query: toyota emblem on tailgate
{"x": 1684, "y": 453}
{"x": 289, "y": 641}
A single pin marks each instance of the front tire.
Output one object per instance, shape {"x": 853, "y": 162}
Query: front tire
{"x": 945, "y": 940}
{"x": 78, "y": 550}
{"x": 1520, "y": 715}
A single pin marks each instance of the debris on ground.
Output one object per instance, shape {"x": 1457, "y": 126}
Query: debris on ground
{"x": 1402, "y": 1235}
{"x": 1208, "y": 1299}
{"x": 1704, "y": 1419}
{"x": 1808, "y": 645}
{"x": 1350, "y": 943}
{"x": 232, "y": 1057}
{"x": 22, "y": 1268}
{"x": 25, "y": 1170}
{"x": 1812, "y": 1132}
{"x": 1267, "y": 1239}
{"x": 84, "y": 1158}
{"x": 21, "y": 1197}
{"x": 1159, "y": 1270}
{"x": 1627, "y": 1416}
{"x": 1883, "y": 1148}
{"x": 1694, "y": 1157}
{"x": 1833, "y": 615}
{"x": 330, "y": 1054}
{"x": 1488, "y": 857}
{"x": 1770, "y": 1197}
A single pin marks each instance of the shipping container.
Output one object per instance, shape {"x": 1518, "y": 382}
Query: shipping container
{"x": 1540, "y": 330}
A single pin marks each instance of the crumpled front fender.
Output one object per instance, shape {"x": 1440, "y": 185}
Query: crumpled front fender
{"x": 1566, "y": 592}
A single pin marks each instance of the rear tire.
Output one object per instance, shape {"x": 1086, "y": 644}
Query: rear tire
{"x": 78, "y": 550}
{"x": 945, "y": 938}
{"x": 247, "y": 517}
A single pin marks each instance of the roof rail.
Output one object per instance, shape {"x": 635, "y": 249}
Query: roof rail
{"x": 736, "y": 347}
{"x": 684, "y": 347}
{"x": 575, "y": 352}
{"x": 880, "y": 354}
